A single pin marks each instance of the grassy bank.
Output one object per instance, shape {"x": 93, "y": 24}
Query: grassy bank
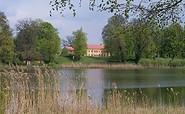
{"x": 83, "y": 60}
{"x": 93, "y": 62}
{"x": 162, "y": 62}
{"x": 40, "y": 92}
{"x": 103, "y": 62}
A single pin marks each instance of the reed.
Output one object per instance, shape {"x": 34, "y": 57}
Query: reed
{"x": 40, "y": 92}
{"x": 101, "y": 65}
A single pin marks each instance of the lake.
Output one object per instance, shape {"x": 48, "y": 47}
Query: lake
{"x": 162, "y": 86}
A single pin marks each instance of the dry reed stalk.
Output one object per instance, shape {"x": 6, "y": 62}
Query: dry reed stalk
{"x": 108, "y": 66}
{"x": 40, "y": 92}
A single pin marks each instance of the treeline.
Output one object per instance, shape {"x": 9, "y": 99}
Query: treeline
{"x": 35, "y": 40}
{"x": 131, "y": 41}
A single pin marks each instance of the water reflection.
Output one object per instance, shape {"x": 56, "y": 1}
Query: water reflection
{"x": 160, "y": 85}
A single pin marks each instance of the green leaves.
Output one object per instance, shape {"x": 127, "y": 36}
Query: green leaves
{"x": 62, "y": 5}
{"x": 80, "y": 44}
{"x": 48, "y": 43}
{"x": 172, "y": 42}
{"x": 114, "y": 37}
{"x": 37, "y": 40}
{"x": 6, "y": 40}
{"x": 162, "y": 12}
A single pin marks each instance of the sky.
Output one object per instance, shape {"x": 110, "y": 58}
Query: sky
{"x": 91, "y": 22}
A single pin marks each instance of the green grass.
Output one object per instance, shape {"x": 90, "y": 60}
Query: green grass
{"x": 83, "y": 60}
{"x": 106, "y": 61}
{"x": 158, "y": 62}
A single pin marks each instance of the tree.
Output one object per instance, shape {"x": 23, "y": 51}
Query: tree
{"x": 26, "y": 38}
{"x": 6, "y": 40}
{"x": 79, "y": 44}
{"x": 36, "y": 40}
{"x": 183, "y": 52}
{"x": 160, "y": 11}
{"x": 68, "y": 41}
{"x": 142, "y": 34}
{"x": 172, "y": 42}
{"x": 114, "y": 37}
{"x": 48, "y": 43}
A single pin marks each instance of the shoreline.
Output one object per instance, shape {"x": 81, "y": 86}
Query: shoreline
{"x": 92, "y": 66}
{"x": 112, "y": 66}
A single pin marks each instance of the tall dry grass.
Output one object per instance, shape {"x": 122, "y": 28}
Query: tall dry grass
{"x": 103, "y": 65}
{"x": 39, "y": 92}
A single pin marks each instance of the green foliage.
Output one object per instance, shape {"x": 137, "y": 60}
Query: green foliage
{"x": 83, "y": 60}
{"x": 64, "y": 52}
{"x": 6, "y": 40}
{"x": 158, "y": 62}
{"x": 127, "y": 41}
{"x": 158, "y": 11}
{"x": 79, "y": 44}
{"x": 172, "y": 41}
{"x": 27, "y": 34}
{"x": 142, "y": 34}
{"x": 93, "y": 60}
{"x": 48, "y": 43}
{"x": 162, "y": 62}
{"x": 7, "y": 50}
{"x": 116, "y": 39}
{"x": 139, "y": 39}
{"x": 177, "y": 63}
{"x": 36, "y": 41}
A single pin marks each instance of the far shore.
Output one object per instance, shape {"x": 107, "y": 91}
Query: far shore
{"x": 111, "y": 66}
{"x": 105, "y": 65}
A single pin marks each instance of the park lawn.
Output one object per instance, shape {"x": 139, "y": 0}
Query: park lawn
{"x": 83, "y": 60}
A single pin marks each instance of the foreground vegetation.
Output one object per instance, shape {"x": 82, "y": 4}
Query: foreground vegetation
{"x": 38, "y": 90}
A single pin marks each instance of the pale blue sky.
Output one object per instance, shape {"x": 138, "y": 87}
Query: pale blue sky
{"x": 91, "y": 22}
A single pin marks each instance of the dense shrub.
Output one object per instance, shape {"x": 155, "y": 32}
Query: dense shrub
{"x": 162, "y": 62}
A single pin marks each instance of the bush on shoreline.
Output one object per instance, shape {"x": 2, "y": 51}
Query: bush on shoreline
{"x": 162, "y": 62}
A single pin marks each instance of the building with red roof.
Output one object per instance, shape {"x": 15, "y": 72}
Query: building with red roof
{"x": 92, "y": 50}
{"x": 96, "y": 50}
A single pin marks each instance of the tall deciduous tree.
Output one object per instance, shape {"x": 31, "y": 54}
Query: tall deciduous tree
{"x": 48, "y": 43}
{"x": 27, "y": 36}
{"x": 114, "y": 37}
{"x": 6, "y": 40}
{"x": 37, "y": 40}
{"x": 173, "y": 41}
{"x": 80, "y": 44}
{"x": 142, "y": 34}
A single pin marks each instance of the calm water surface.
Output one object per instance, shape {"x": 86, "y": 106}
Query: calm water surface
{"x": 155, "y": 83}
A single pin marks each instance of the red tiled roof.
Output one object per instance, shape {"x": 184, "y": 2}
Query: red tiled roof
{"x": 101, "y": 47}
{"x": 95, "y": 46}
{"x": 69, "y": 48}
